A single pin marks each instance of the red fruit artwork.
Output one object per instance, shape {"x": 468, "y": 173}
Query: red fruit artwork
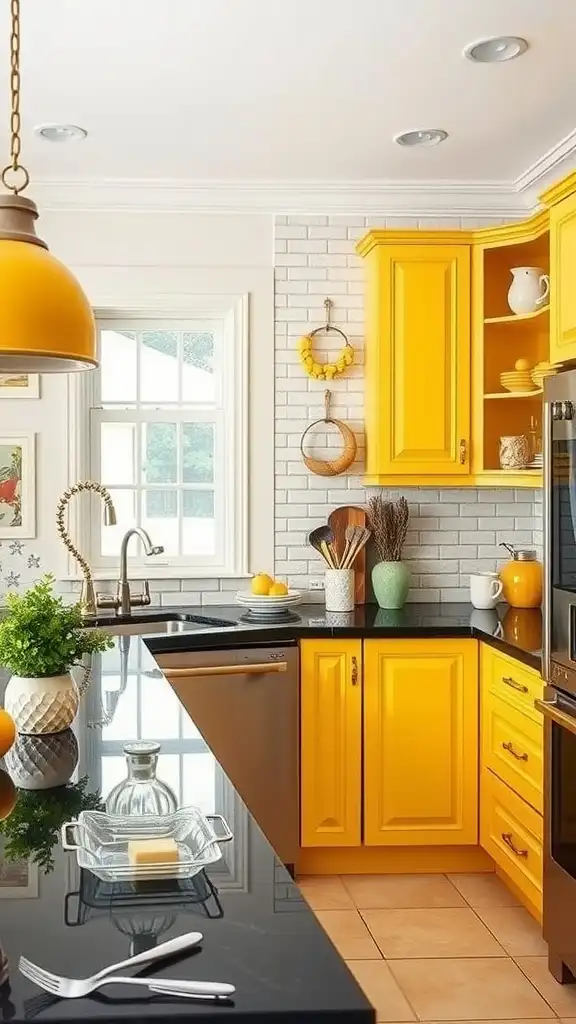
{"x": 10, "y": 489}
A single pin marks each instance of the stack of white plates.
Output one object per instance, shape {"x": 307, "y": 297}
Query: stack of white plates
{"x": 264, "y": 605}
{"x": 537, "y": 462}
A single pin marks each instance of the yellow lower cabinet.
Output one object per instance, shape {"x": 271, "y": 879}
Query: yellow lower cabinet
{"x": 512, "y": 747}
{"x": 511, "y": 832}
{"x": 420, "y": 742}
{"x": 330, "y": 742}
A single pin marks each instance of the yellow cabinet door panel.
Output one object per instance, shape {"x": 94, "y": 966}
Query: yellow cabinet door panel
{"x": 562, "y": 277}
{"x": 512, "y": 747}
{"x": 331, "y": 742}
{"x": 420, "y": 742}
{"x": 418, "y": 360}
{"x": 511, "y": 832}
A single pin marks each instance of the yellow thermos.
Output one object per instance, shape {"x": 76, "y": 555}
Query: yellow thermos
{"x": 522, "y": 578}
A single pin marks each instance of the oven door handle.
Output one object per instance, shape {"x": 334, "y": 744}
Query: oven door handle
{"x": 550, "y": 709}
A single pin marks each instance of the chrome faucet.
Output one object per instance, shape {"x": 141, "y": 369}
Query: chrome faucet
{"x": 123, "y": 602}
{"x": 87, "y": 596}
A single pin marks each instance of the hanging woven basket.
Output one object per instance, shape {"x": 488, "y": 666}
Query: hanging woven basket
{"x": 331, "y": 467}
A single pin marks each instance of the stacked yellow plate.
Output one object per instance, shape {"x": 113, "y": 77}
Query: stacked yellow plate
{"x": 543, "y": 370}
{"x": 518, "y": 380}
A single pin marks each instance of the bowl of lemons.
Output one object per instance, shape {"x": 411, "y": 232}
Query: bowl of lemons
{"x": 267, "y": 595}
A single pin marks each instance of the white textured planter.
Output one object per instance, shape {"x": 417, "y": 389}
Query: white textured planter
{"x": 42, "y": 762}
{"x": 44, "y": 705}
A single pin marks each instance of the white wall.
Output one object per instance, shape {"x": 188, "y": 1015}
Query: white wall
{"x": 453, "y": 532}
{"x": 121, "y": 259}
{"x": 123, "y": 256}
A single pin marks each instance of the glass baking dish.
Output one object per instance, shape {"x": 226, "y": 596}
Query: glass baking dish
{"x": 101, "y": 840}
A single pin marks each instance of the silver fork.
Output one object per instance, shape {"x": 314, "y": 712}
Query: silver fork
{"x": 73, "y": 988}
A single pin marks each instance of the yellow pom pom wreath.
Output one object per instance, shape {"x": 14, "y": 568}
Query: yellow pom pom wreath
{"x": 324, "y": 371}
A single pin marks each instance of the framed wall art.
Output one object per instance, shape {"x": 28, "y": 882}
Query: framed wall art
{"x": 17, "y": 486}
{"x": 19, "y": 385}
{"x": 18, "y": 879}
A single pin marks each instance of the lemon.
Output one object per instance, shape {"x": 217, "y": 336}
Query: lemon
{"x": 521, "y": 364}
{"x": 261, "y": 584}
{"x": 278, "y": 590}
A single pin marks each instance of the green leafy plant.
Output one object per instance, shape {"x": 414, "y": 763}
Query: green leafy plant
{"x": 32, "y": 829}
{"x": 41, "y": 636}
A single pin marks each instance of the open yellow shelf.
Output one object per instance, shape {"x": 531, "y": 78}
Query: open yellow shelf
{"x": 516, "y": 394}
{"x": 515, "y": 317}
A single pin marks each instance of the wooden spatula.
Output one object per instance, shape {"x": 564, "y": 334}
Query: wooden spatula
{"x": 338, "y": 520}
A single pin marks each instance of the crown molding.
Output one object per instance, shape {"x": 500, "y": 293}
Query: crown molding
{"x": 479, "y": 200}
{"x": 554, "y": 164}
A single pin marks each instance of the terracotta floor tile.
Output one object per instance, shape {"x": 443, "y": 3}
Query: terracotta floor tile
{"x": 382, "y": 990}
{"x": 515, "y": 929}
{"x": 378, "y": 892}
{"x": 349, "y": 934}
{"x": 429, "y": 933}
{"x": 468, "y": 990}
{"x": 562, "y": 998}
{"x": 484, "y": 890}
{"x": 325, "y": 892}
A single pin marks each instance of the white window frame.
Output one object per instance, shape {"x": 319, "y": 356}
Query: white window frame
{"x": 233, "y": 311}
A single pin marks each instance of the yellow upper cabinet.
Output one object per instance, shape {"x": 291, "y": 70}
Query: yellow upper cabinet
{"x": 417, "y": 356}
{"x": 420, "y": 742}
{"x": 562, "y": 200}
{"x": 331, "y": 742}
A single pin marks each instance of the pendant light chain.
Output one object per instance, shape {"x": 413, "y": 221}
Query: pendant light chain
{"x": 15, "y": 167}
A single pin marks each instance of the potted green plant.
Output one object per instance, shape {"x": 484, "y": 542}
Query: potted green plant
{"x": 41, "y": 639}
{"x": 388, "y": 521}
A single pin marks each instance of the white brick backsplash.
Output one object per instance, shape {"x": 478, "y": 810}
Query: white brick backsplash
{"x": 453, "y": 531}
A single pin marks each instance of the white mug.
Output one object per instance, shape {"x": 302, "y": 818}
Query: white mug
{"x": 485, "y": 589}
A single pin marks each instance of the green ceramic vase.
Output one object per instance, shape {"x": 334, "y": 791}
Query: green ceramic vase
{"x": 391, "y": 582}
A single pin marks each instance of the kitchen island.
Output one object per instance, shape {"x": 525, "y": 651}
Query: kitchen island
{"x": 259, "y": 933}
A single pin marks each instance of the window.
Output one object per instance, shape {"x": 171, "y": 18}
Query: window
{"x": 167, "y": 437}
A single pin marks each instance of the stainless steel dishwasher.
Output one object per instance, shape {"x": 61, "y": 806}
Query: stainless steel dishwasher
{"x": 244, "y": 701}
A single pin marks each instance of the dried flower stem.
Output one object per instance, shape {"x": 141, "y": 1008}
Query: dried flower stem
{"x": 389, "y": 524}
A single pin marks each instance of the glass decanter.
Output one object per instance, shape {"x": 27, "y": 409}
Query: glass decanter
{"x": 141, "y": 792}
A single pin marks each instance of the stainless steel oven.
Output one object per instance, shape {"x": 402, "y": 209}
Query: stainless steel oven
{"x": 559, "y": 669}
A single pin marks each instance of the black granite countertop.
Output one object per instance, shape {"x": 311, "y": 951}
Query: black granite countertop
{"x": 516, "y": 631}
{"x": 259, "y": 933}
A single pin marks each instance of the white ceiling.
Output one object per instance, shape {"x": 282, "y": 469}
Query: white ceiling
{"x": 290, "y": 90}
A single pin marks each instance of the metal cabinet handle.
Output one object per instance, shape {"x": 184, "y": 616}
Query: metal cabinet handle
{"x": 515, "y": 686}
{"x": 463, "y": 451}
{"x": 226, "y": 670}
{"x": 354, "y": 671}
{"x": 507, "y": 837}
{"x": 550, "y": 709}
{"x": 519, "y": 757}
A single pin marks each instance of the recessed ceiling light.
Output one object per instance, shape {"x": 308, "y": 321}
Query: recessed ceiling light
{"x": 423, "y": 137}
{"x": 497, "y": 50}
{"x": 60, "y": 132}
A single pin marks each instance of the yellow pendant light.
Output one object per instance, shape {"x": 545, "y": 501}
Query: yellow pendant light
{"x": 46, "y": 322}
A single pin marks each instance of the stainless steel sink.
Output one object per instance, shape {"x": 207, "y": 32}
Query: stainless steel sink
{"x": 158, "y": 622}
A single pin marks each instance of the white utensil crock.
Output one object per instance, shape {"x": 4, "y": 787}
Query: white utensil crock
{"x": 339, "y": 590}
{"x": 42, "y": 705}
{"x": 529, "y": 289}
{"x": 485, "y": 589}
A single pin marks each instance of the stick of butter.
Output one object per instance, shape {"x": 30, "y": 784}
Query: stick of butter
{"x": 153, "y": 851}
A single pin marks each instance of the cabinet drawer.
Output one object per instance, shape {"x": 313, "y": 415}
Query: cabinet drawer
{"x": 511, "y": 832}
{"x": 512, "y": 748}
{"x": 515, "y": 683}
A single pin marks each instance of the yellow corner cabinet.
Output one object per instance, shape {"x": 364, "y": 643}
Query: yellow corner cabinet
{"x": 439, "y": 332}
{"x": 390, "y": 727}
{"x": 561, "y": 199}
{"x": 417, "y": 380}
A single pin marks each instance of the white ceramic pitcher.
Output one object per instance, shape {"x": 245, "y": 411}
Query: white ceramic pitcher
{"x": 529, "y": 289}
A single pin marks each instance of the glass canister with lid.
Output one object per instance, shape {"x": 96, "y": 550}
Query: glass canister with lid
{"x": 522, "y": 578}
{"x": 141, "y": 792}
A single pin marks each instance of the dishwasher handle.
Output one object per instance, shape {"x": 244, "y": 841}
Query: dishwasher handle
{"x": 258, "y": 669}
